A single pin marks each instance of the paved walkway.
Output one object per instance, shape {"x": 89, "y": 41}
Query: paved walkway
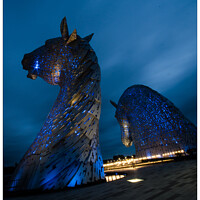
{"x": 166, "y": 181}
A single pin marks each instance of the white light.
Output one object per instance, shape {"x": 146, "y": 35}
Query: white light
{"x": 117, "y": 177}
{"x": 110, "y": 178}
{"x": 113, "y": 178}
{"x": 36, "y": 65}
{"x": 135, "y": 180}
{"x": 158, "y": 156}
{"x": 153, "y": 156}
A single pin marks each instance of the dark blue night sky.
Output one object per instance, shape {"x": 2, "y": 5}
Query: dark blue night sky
{"x": 150, "y": 42}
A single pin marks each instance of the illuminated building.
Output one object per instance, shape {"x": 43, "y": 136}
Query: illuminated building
{"x": 66, "y": 152}
{"x": 155, "y": 126}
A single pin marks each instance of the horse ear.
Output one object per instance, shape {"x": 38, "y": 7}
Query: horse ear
{"x": 72, "y": 37}
{"x": 64, "y": 29}
{"x": 113, "y": 103}
{"x": 89, "y": 37}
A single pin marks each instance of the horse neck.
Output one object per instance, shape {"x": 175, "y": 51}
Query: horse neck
{"x": 71, "y": 98}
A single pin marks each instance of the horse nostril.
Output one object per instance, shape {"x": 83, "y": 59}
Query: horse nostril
{"x": 32, "y": 76}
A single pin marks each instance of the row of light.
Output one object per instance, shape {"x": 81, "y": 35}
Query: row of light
{"x": 114, "y": 177}
{"x": 128, "y": 161}
{"x": 172, "y": 153}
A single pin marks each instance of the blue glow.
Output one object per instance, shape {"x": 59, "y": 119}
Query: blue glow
{"x": 16, "y": 180}
{"x": 36, "y": 65}
{"x": 152, "y": 122}
{"x": 63, "y": 144}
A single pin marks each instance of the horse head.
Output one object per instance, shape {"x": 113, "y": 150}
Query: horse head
{"x": 61, "y": 60}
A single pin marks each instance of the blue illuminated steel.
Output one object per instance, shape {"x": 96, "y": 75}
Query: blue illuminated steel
{"x": 66, "y": 152}
{"x": 153, "y": 123}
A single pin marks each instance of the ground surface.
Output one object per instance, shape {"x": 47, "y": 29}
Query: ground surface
{"x": 167, "y": 181}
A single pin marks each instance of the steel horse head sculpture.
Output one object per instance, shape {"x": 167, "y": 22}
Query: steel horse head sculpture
{"x": 66, "y": 152}
{"x": 152, "y": 123}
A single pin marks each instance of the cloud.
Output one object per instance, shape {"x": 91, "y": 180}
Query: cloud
{"x": 137, "y": 42}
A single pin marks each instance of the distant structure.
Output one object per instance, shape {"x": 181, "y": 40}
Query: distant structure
{"x": 152, "y": 123}
{"x": 66, "y": 152}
